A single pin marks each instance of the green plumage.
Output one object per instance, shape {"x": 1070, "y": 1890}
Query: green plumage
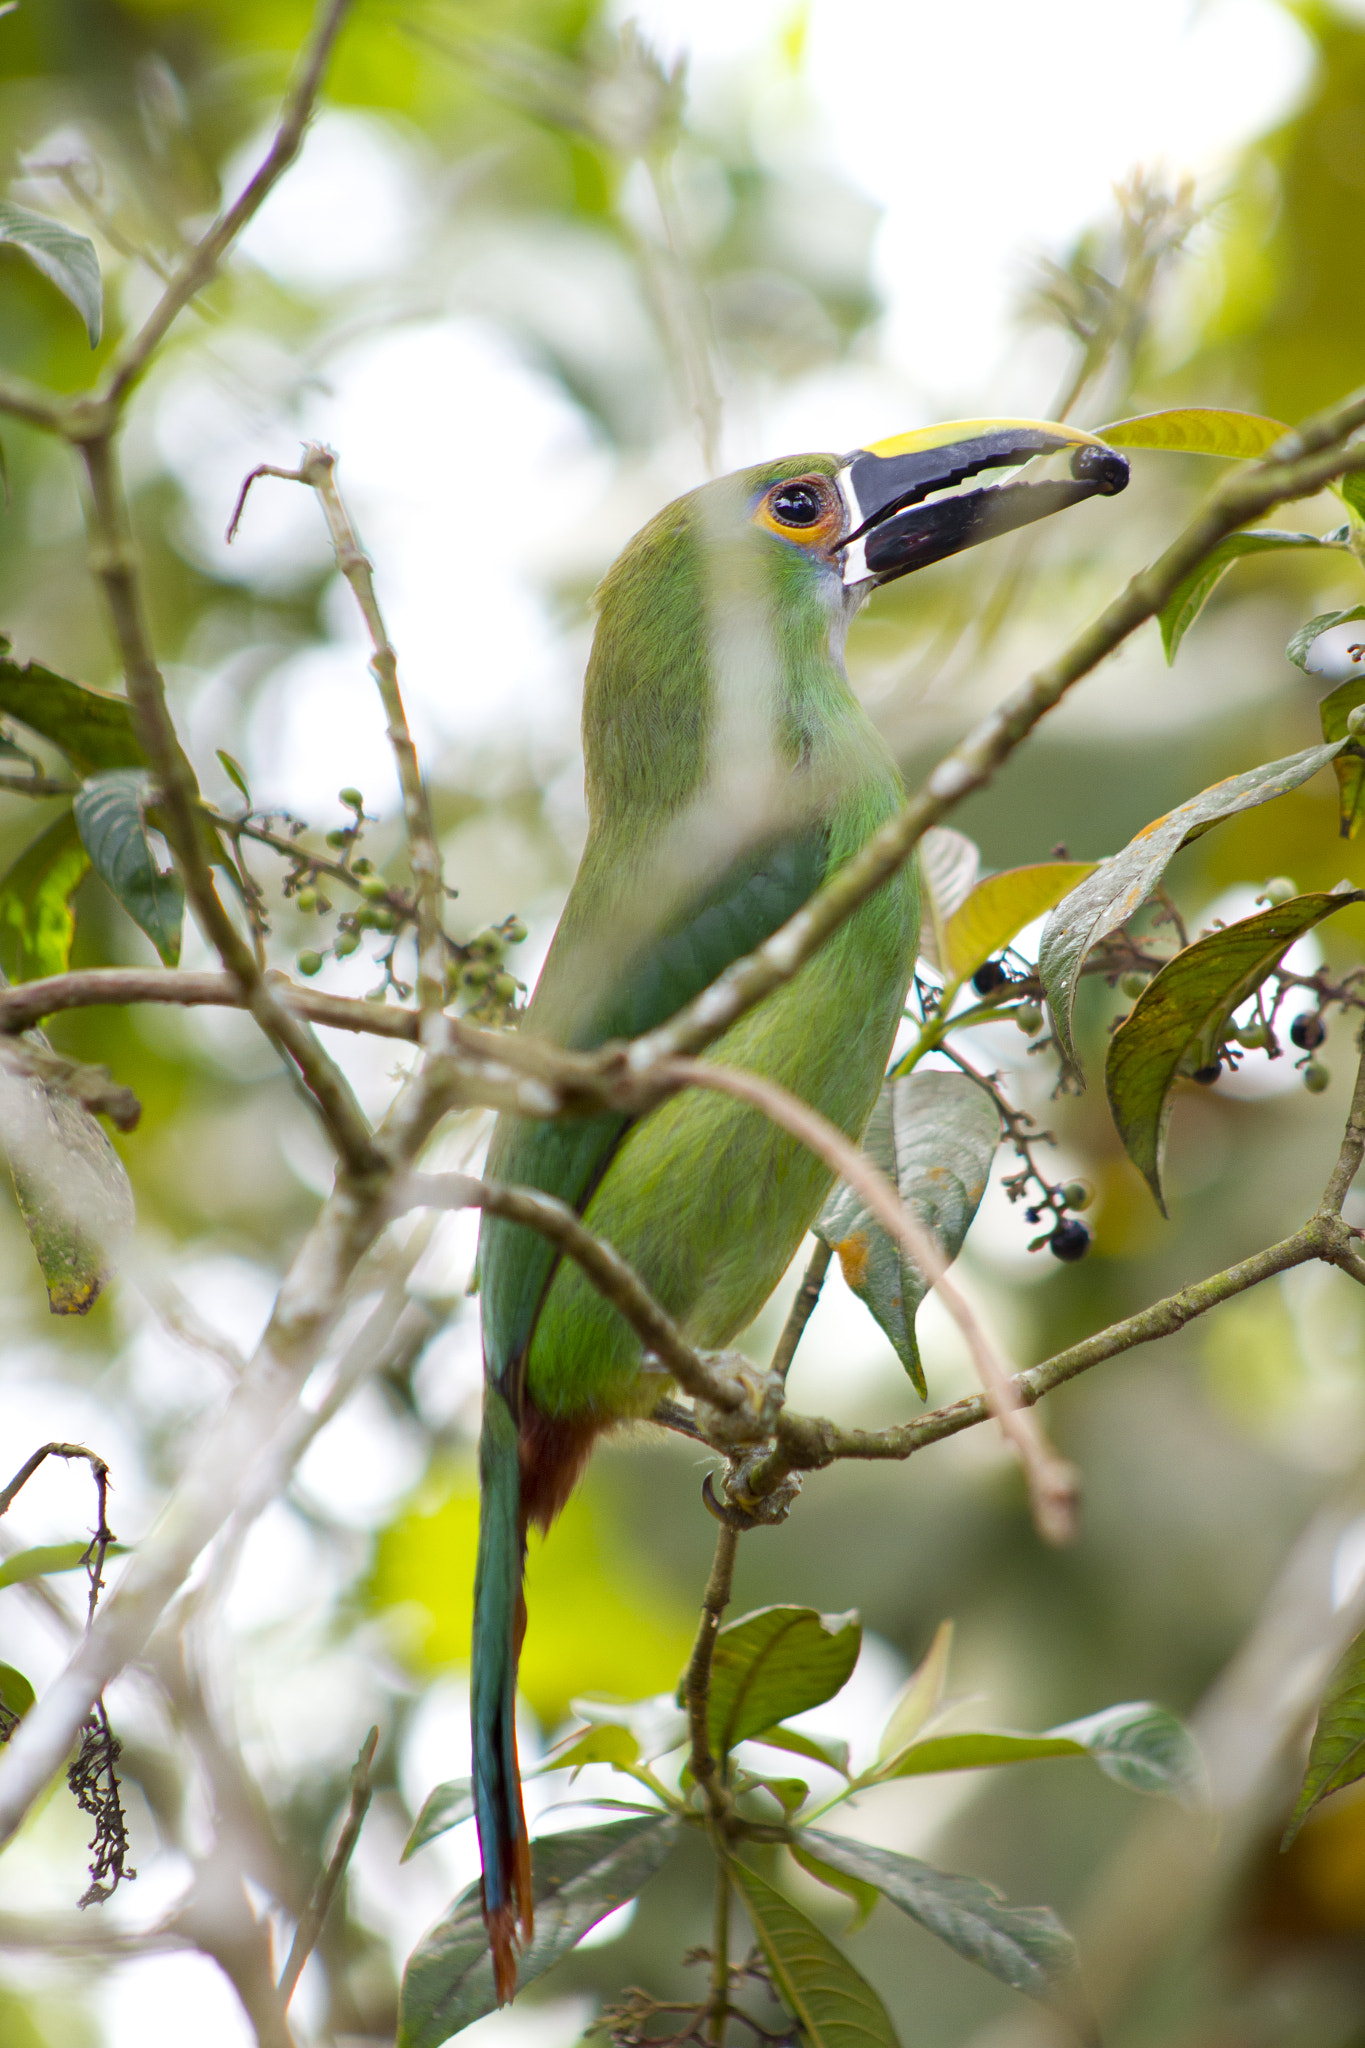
{"x": 729, "y": 769}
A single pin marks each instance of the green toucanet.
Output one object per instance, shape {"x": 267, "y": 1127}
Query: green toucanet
{"x": 729, "y": 769}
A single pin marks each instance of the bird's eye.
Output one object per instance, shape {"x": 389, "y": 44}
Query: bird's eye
{"x": 796, "y": 505}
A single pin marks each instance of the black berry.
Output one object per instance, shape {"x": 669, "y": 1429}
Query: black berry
{"x": 1206, "y": 1076}
{"x": 989, "y": 978}
{"x": 1308, "y": 1031}
{"x": 1070, "y": 1240}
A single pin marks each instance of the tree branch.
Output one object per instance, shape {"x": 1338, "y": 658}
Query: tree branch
{"x": 316, "y": 1911}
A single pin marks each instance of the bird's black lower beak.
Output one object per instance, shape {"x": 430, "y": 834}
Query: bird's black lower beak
{"x": 894, "y": 531}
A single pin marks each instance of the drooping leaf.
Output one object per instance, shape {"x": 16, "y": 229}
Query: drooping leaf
{"x": 1177, "y": 1022}
{"x": 774, "y": 1662}
{"x": 71, "y": 1187}
{"x": 93, "y": 730}
{"x": 37, "y": 923}
{"x": 47, "y": 1558}
{"x": 1301, "y": 645}
{"x": 828, "y": 1751}
{"x": 1026, "y": 1947}
{"x": 1188, "y": 599}
{"x": 837, "y": 2008}
{"x": 577, "y": 1879}
{"x": 1120, "y": 886}
{"x": 949, "y": 863}
{"x": 1197, "y": 430}
{"x": 16, "y": 1694}
{"x": 606, "y": 1744}
{"x": 865, "y": 1897}
{"x": 934, "y": 1135}
{"x": 920, "y": 1699}
{"x": 1140, "y": 1745}
{"x": 111, "y": 814}
{"x": 1349, "y": 765}
{"x": 234, "y": 772}
{"x": 1336, "y": 1755}
{"x": 62, "y": 255}
{"x": 998, "y": 909}
{"x": 1351, "y": 489}
{"x": 444, "y": 1808}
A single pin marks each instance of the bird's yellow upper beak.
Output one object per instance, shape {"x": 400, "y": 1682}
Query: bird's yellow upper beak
{"x": 892, "y": 530}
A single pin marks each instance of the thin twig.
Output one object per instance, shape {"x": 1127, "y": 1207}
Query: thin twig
{"x": 318, "y": 471}
{"x": 98, "y": 1549}
{"x": 1052, "y": 1482}
{"x": 802, "y": 1309}
{"x": 696, "y": 1686}
{"x": 316, "y": 1911}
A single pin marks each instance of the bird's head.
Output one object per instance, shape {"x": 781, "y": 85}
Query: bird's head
{"x": 865, "y": 519}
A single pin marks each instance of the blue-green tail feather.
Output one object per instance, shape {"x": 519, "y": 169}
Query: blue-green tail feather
{"x": 499, "y": 1620}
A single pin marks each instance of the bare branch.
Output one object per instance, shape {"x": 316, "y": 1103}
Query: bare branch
{"x": 316, "y": 1911}
{"x": 802, "y": 1309}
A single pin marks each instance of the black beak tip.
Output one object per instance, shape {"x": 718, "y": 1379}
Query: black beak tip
{"x": 1104, "y": 469}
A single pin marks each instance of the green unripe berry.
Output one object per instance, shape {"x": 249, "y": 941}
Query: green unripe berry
{"x": 345, "y": 943}
{"x": 338, "y": 836}
{"x": 383, "y": 919}
{"x": 306, "y": 899}
{"x": 1133, "y": 984}
{"x": 1029, "y": 1019}
{"x": 352, "y": 798}
{"x": 1278, "y": 890}
{"x": 1355, "y": 721}
{"x": 1252, "y": 1036}
{"x": 1315, "y": 1077}
{"x": 310, "y": 963}
{"x": 503, "y": 988}
{"x": 373, "y": 886}
{"x": 1078, "y": 1194}
{"x": 362, "y": 865}
{"x": 513, "y": 931}
{"x": 475, "y": 974}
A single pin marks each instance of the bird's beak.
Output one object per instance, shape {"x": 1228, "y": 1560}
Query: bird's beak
{"x": 896, "y": 523}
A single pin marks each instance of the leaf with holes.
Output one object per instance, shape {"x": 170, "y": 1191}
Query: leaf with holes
{"x": 1177, "y": 1023}
{"x": 1188, "y": 598}
{"x": 71, "y": 1187}
{"x": 949, "y": 864}
{"x": 577, "y": 1879}
{"x": 1336, "y": 1755}
{"x": 1026, "y": 1947}
{"x": 111, "y": 814}
{"x": 774, "y": 1662}
{"x": 93, "y": 730}
{"x": 63, "y": 256}
{"x": 1119, "y": 887}
{"x": 835, "y": 2006}
{"x": 1197, "y": 430}
{"x": 37, "y": 923}
{"x": 998, "y": 909}
{"x": 934, "y": 1135}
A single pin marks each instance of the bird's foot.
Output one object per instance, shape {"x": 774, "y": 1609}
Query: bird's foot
{"x": 754, "y": 1419}
{"x": 736, "y": 1506}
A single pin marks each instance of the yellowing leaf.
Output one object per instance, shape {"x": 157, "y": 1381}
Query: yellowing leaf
{"x": 920, "y": 1699}
{"x": 1197, "y": 430}
{"x": 998, "y": 909}
{"x": 71, "y": 1187}
{"x": 37, "y": 923}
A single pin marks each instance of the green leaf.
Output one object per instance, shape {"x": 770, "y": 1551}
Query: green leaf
{"x": 658, "y": 1724}
{"x": 865, "y": 1897}
{"x": 16, "y": 1694}
{"x": 1119, "y": 887}
{"x": 71, "y": 1187}
{"x": 1026, "y": 1947}
{"x": 607, "y": 1744}
{"x": 1336, "y": 1755}
{"x": 444, "y": 1808}
{"x": 234, "y": 771}
{"x": 837, "y": 2008}
{"x": 62, "y": 255}
{"x": 949, "y": 864}
{"x": 1177, "y": 1023}
{"x": 999, "y": 908}
{"x": 94, "y": 731}
{"x": 934, "y": 1135}
{"x": 1197, "y": 430}
{"x": 978, "y": 1750}
{"x": 774, "y": 1662}
{"x": 828, "y": 1751}
{"x": 577, "y": 1878}
{"x": 42, "y": 1561}
{"x": 791, "y": 1794}
{"x": 1351, "y": 490}
{"x": 1349, "y": 765}
{"x": 111, "y": 817}
{"x": 37, "y": 923}
{"x": 1188, "y": 599}
{"x": 920, "y": 1699}
{"x": 1145, "y": 1747}
{"x": 1299, "y": 646}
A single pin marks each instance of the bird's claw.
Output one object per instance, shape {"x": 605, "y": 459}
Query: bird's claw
{"x": 739, "y": 1509}
{"x": 754, "y": 1419}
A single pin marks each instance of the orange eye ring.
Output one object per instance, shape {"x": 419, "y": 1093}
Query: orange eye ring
{"x": 805, "y": 510}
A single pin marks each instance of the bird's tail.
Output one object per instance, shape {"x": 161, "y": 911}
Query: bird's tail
{"x": 499, "y": 1623}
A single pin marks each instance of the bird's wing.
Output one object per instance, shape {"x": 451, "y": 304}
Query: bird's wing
{"x": 733, "y": 916}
